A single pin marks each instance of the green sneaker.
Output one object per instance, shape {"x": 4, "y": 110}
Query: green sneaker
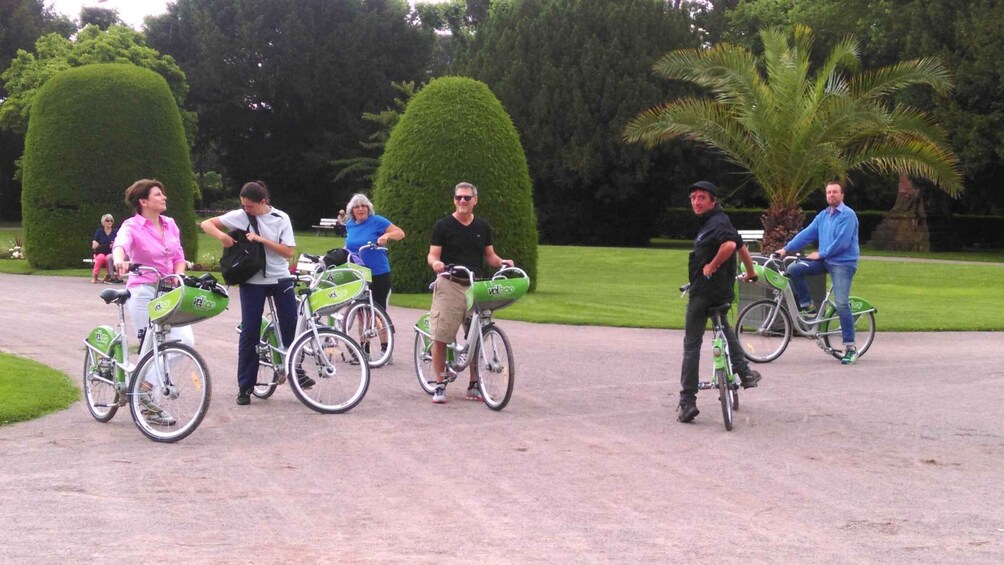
{"x": 807, "y": 311}
{"x": 850, "y": 356}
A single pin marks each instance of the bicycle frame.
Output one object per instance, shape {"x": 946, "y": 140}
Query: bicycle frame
{"x": 784, "y": 297}
{"x": 124, "y": 366}
{"x": 306, "y": 320}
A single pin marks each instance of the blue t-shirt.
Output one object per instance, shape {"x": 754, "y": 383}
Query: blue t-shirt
{"x": 368, "y": 231}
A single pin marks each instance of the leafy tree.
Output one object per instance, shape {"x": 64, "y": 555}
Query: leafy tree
{"x": 572, "y": 73}
{"x": 792, "y": 130}
{"x": 53, "y": 53}
{"x": 21, "y": 23}
{"x": 454, "y": 130}
{"x": 966, "y": 35}
{"x": 280, "y": 85}
{"x": 103, "y": 18}
{"x": 72, "y": 176}
{"x": 365, "y": 166}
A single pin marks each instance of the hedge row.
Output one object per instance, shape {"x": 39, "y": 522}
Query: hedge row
{"x": 949, "y": 232}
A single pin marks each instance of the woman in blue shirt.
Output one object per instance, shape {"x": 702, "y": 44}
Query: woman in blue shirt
{"x": 365, "y": 226}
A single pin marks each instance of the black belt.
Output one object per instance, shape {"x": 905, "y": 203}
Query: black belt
{"x": 463, "y": 281}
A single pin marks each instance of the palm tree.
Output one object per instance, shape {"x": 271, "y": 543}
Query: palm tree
{"x": 792, "y": 130}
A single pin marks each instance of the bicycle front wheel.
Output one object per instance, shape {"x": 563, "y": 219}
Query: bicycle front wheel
{"x": 329, "y": 372}
{"x": 99, "y": 388}
{"x": 764, "y": 331}
{"x": 864, "y": 332}
{"x": 169, "y": 393}
{"x": 373, "y": 330}
{"x": 423, "y": 363}
{"x": 725, "y": 396}
{"x": 495, "y": 367}
{"x": 268, "y": 371}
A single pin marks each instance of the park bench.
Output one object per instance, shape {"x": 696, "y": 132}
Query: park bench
{"x": 327, "y": 224}
{"x": 752, "y": 236}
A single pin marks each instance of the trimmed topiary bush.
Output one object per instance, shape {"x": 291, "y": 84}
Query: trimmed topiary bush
{"x": 93, "y": 131}
{"x": 454, "y": 130}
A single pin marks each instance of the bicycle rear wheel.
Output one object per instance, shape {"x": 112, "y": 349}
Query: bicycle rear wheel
{"x": 764, "y": 331}
{"x": 864, "y": 327}
{"x": 99, "y": 387}
{"x": 374, "y": 330}
{"x": 725, "y": 396}
{"x": 329, "y": 372}
{"x": 169, "y": 394}
{"x": 495, "y": 367}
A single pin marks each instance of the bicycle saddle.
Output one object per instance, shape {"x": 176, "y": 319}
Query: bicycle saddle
{"x": 719, "y": 308}
{"x": 115, "y": 295}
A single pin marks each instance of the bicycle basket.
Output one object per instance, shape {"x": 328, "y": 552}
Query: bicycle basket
{"x": 186, "y": 305}
{"x": 767, "y": 276}
{"x": 497, "y": 293}
{"x": 338, "y": 287}
{"x": 344, "y": 274}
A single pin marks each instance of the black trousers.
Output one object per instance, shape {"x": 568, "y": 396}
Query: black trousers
{"x": 696, "y": 320}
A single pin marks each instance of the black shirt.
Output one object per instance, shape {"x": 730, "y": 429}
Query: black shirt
{"x": 462, "y": 245}
{"x": 716, "y": 229}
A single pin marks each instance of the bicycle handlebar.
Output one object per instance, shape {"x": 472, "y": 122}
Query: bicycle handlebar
{"x": 206, "y": 281}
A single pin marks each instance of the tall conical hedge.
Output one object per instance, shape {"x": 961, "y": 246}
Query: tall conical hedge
{"x": 93, "y": 131}
{"x": 454, "y": 130}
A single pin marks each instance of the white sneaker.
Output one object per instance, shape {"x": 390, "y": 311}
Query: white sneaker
{"x": 473, "y": 392}
{"x": 439, "y": 397}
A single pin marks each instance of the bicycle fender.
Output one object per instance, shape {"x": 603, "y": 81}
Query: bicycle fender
{"x": 860, "y": 305}
{"x": 101, "y": 338}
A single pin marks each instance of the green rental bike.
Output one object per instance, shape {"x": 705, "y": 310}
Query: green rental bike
{"x": 484, "y": 344}
{"x": 765, "y": 327}
{"x": 168, "y": 390}
{"x": 332, "y": 373}
{"x": 723, "y": 378}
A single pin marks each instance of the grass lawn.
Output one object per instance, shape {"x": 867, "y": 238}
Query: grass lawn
{"x": 30, "y": 390}
{"x": 637, "y": 287}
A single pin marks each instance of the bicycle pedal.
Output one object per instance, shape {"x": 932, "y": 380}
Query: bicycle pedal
{"x": 705, "y": 386}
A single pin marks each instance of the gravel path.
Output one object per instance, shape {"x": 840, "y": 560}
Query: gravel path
{"x": 895, "y": 460}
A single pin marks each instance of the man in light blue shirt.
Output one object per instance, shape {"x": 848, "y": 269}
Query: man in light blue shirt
{"x": 836, "y": 231}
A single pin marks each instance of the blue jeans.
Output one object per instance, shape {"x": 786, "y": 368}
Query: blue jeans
{"x": 840, "y": 276}
{"x": 252, "y": 308}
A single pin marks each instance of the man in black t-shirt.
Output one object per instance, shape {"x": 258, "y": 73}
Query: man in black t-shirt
{"x": 457, "y": 239}
{"x": 712, "y": 268}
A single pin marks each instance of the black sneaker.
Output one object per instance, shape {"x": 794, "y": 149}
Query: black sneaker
{"x": 302, "y": 378}
{"x": 750, "y": 378}
{"x": 244, "y": 397}
{"x": 687, "y": 412}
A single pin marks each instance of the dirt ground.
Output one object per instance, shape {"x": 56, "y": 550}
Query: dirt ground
{"x": 896, "y": 460}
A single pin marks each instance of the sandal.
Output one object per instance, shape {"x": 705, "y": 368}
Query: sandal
{"x": 94, "y": 279}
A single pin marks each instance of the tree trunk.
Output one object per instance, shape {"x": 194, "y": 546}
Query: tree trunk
{"x": 904, "y": 228}
{"x": 780, "y": 223}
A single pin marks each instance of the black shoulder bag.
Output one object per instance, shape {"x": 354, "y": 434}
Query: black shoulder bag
{"x": 244, "y": 258}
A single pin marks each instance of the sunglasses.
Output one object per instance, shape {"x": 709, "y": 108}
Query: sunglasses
{"x": 463, "y": 197}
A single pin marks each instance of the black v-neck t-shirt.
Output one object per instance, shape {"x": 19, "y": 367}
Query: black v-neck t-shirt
{"x": 462, "y": 245}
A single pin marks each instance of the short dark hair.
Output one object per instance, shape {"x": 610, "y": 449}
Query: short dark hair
{"x": 140, "y": 190}
{"x": 838, "y": 182}
{"x": 255, "y": 191}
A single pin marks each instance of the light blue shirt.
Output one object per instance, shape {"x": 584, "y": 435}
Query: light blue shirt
{"x": 836, "y": 230}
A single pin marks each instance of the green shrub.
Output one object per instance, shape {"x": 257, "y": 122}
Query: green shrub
{"x": 454, "y": 130}
{"x": 93, "y": 131}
